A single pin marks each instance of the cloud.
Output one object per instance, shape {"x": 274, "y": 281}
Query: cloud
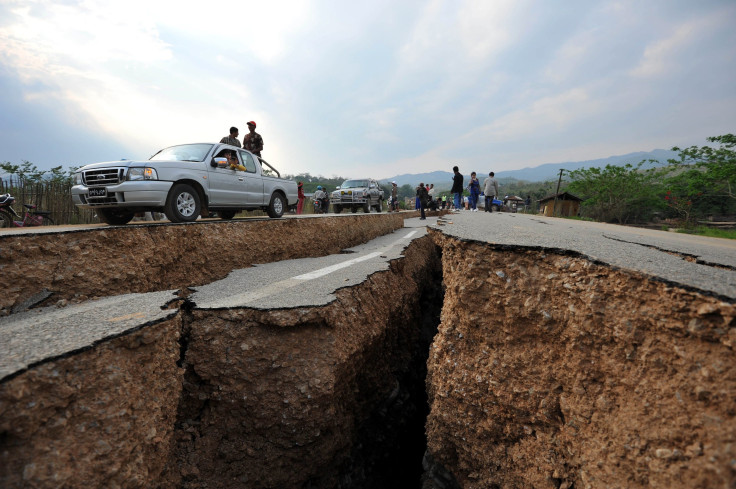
{"x": 659, "y": 58}
{"x": 668, "y": 54}
{"x": 550, "y": 114}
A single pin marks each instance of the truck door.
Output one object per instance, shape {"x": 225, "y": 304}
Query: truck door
{"x": 226, "y": 184}
{"x": 252, "y": 181}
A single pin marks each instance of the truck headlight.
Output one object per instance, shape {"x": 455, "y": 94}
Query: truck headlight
{"x": 77, "y": 178}
{"x": 142, "y": 174}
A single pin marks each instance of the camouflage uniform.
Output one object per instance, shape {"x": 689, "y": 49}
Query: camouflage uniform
{"x": 231, "y": 141}
{"x": 253, "y": 142}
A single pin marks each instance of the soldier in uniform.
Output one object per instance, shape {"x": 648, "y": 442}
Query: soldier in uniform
{"x": 253, "y": 141}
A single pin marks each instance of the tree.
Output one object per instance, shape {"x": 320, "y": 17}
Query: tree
{"x": 706, "y": 169}
{"x": 26, "y": 171}
{"x": 616, "y": 193}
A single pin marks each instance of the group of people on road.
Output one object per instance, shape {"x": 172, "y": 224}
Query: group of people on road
{"x": 490, "y": 190}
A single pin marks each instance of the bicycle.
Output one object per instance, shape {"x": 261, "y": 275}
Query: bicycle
{"x": 31, "y": 216}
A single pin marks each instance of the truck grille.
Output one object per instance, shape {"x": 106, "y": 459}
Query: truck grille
{"x": 103, "y": 177}
{"x": 112, "y": 198}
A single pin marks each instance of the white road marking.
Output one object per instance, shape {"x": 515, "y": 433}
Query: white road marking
{"x": 273, "y": 289}
{"x": 333, "y": 268}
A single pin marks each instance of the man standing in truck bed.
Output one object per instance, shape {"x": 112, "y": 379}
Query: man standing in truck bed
{"x": 232, "y": 139}
{"x": 253, "y": 141}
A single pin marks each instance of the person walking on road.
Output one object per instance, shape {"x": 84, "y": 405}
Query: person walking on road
{"x": 253, "y": 141}
{"x": 232, "y": 139}
{"x": 490, "y": 188}
{"x": 474, "y": 188}
{"x": 457, "y": 187}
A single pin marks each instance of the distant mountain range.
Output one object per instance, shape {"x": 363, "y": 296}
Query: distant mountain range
{"x": 541, "y": 173}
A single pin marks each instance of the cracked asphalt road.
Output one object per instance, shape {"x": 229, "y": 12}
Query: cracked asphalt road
{"x": 705, "y": 264}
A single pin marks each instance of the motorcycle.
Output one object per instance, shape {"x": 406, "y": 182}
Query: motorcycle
{"x": 31, "y": 217}
{"x": 321, "y": 206}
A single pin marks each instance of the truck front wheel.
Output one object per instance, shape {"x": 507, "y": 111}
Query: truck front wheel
{"x": 183, "y": 204}
{"x": 367, "y": 207}
{"x": 276, "y": 206}
{"x": 337, "y": 208}
{"x": 379, "y": 206}
{"x": 114, "y": 217}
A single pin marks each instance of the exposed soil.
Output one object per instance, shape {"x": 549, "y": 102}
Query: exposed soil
{"x": 76, "y": 266}
{"x": 235, "y": 398}
{"x": 547, "y": 371}
{"x": 101, "y": 418}
{"x": 550, "y": 371}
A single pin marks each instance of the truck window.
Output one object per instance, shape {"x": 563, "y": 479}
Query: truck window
{"x": 248, "y": 162}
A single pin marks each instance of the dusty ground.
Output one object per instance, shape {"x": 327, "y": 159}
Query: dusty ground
{"x": 228, "y": 398}
{"x": 275, "y": 398}
{"x": 75, "y": 266}
{"x": 549, "y": 371}
{"x": 101, "y": 418}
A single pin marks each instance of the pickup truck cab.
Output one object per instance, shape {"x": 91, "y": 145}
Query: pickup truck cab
{"x": 184, "y": 182}
{"x": 357, "y": 194}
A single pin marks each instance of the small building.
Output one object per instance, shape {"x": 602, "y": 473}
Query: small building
{"x": 564, "y": 204}
{"x": 513, "y": 203}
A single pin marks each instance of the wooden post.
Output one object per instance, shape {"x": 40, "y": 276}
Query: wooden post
{"x": 554, "y": 206}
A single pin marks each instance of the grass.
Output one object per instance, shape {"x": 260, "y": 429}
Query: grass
{"x": 711, "y": 232}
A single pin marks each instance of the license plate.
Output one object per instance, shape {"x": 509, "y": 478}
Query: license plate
{"x": 97, "y": 192}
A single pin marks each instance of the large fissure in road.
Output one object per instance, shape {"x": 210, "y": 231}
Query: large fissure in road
{"x": 543, "y": 369}
{"x": 552, "y": 371}
{"x": 311, "y": 397}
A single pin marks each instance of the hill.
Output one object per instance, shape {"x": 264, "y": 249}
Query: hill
{"x": 547, "y": 171}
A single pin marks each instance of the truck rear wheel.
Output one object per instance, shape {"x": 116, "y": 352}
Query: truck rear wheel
{"x": 379, "y": 206}
{"x": 114, "y": 217}
{"x": 183, "y": 204}
{"x": 276, "y": 206}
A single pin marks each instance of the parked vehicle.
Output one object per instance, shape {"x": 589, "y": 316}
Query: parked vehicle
{"x": 183, "y": 182}
{"x": 31, "y": 216}
{"x": 496, "y": 206}
{"x": 357, "y": 194}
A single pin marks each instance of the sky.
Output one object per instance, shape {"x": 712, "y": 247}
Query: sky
{"x": 365, "y": 89}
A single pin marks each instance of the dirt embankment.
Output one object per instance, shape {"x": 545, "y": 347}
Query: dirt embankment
{"x": 550, "y": 371}
{"x": 76, "y": 266}
{"x": 231, "y": 398}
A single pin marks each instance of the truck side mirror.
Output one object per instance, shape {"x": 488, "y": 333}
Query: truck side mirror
{"x": 219, "y": 163}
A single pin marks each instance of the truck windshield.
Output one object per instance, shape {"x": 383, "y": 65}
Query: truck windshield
{"x": 183, "y": 152}
{"x": 355, "y": 183}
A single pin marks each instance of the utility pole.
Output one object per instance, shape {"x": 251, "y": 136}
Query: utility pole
{"x": 554, "y": 206}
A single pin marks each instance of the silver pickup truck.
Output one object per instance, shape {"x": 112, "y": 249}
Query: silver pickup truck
{"x": 357, "y": 194}
{"x": 184, "y": 182}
